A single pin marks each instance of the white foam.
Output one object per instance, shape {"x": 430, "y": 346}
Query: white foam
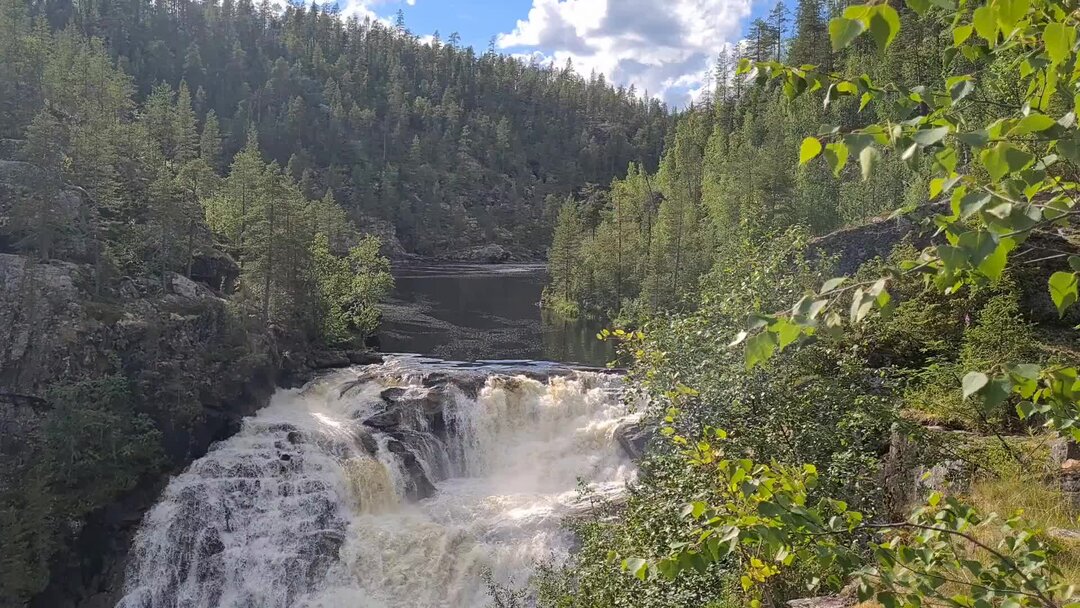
{"x": 330, "y": 526}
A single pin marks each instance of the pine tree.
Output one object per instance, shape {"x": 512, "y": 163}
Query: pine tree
{"x": 38, "y": 218}
{"x": 229, "y": 211}
{"x": 811, "y": 42}
{"x": 210, "y": 141}
{"x": 564, "y": 256}
{"x": 159, "y": 117}
{"x": 185, "y": 129}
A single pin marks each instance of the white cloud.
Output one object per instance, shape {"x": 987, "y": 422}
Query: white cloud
{"x": 664, "y": 47}
{"x": 366, "y": 8}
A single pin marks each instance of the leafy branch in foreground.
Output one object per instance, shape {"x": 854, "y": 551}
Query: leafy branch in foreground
{"x": 762, "y": 523}
{"x": 994, "y": 186}
{"x": 1020, "y": 179}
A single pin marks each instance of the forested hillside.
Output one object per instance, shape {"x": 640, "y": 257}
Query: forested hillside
{"x": 453, "y": 148}
{"x": 731, "y": 172}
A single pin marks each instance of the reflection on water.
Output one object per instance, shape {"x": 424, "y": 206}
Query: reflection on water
{"x": 469, "y": 312}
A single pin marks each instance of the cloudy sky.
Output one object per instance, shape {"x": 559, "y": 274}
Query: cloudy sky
{"x": 660, "y": 46}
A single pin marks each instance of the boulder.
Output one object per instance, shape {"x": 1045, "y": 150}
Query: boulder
{"x": 186, "y": 288}
{"x": 328, "y": 359}
{"x": 417, "y": 484}
{"x": 215, "y": 269}
{"x": 828, "y": 601}
{"x": 634, "y": 437}
{"x": 385, "y": 419}
{"x": 934, "y": 459}
{"x": 390, "y": 246}
{"x": 1070, "y": 481}
{"x": 875, "y": 238}
{"x": 853, "y": 246}
{"x": 195, "y": 375}
{"x": 1065, "y": 536}
{"x": 403, "y": 406}
{"x": 483, "y": 254}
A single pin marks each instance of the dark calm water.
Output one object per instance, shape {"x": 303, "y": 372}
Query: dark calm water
{"x": 483, "y": 312}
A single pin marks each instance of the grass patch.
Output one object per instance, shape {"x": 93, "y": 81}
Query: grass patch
{"x": 1044, "y": 507}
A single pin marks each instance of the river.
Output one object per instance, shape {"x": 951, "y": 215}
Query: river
{"x": 409, "y": 484}
{"x": 482, "y": 312}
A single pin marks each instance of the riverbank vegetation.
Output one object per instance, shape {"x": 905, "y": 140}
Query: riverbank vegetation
{"x": 896, "y": 431}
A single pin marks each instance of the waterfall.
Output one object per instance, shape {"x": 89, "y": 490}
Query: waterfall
{"x": 387, "y": 486}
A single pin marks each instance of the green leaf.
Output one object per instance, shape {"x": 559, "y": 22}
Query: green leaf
{"x": 1074, "y": 263}
{"x": 1063, "y": 290}
{"x": 974, "y": 382}
{"x": 861, "y": 305}
{"x": 946, "y": 157}
{"x": 1070, "y": 149}
{"x": 1010, "y": 12}
{"x": 979, "y": 244}
{"x": 760, "y": 348}
{"x": 929, "y": 137}
{"x": 836, "y": 154}
{"x": 636, "y": 566}
{"x": 1032, "y": 123}
{"x": 996, "y": 392}
{"x": 961, "y": 33}
{"x": 884, "y": 25}
{"x": 972, "y": 202}
{"x": 843, "y": 31}
{"x": 975, "y": 139}
{"x": 832, "y": 284}
{"x": 960, "y": 88}
{"x": 919, "y": 6}
{"x": 985, "y": 22}
{"x": 1025, "y": 409}
{"x": 993, "y": 265}
{"x": 810, "y": 148}
{"x": 1004, "y": 158}
{"x": 1058, "y": 39}
{"x": 786, "y": 332}
{"x": 868, "y": 159}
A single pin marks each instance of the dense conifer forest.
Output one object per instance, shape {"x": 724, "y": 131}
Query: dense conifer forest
{"x": 451, "y": 147}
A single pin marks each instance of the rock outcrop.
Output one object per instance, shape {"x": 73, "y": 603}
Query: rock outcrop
{"x": 191, "y": 368}
{"x": 849, "y": 248}
{"x": 829, "y": 601}
{"x": 934, "y": 459}
{"x": 635, "y": 437}
{"x": 854, "y": 246}
{"x": 484, "y": 254}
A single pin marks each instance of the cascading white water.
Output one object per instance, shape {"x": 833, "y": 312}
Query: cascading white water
{"x": 400, "y": 489}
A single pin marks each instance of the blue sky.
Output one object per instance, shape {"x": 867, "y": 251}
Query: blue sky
{"x": 660, "y": 46}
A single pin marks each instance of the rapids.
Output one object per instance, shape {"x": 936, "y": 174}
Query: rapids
{"x": 404, "y": 484}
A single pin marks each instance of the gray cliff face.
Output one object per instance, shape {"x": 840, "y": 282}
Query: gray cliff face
{"x": 192, "y": 368}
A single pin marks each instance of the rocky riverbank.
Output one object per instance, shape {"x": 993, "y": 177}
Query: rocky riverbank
{"x": 187, "y": 364}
